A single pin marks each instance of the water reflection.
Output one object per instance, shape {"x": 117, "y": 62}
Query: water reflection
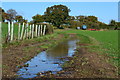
{"x": 48, "y": 60}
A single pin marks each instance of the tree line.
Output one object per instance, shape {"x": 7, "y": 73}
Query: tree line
{"x": 58, "y": 16}
{"x": 11, "y": 15}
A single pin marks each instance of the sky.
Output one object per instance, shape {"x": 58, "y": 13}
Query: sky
{"x": 105, "y": 11}
{"x": 60, "y": 0}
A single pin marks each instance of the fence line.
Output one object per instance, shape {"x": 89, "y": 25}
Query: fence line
{"x": 25, "y": 31}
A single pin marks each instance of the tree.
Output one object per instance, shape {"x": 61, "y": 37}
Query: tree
{"x": 11, "y": 15}
{"x": 18, "y": 18}
{"x": 92, "y": 18}
{"x": 24, "y": 20}
{"x": 56, "y": 14}
{"x": 112, "y": 23}
{"x": 81, "y": 18}
{"x": 3, "y": 15}
{"x": 38, "y": 18}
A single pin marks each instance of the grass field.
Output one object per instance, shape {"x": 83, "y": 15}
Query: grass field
{"x": 106, "y": 42}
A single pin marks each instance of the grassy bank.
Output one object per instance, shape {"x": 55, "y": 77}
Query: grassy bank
{"x": 105, "y": 42}
{"x": 96, "y": 56}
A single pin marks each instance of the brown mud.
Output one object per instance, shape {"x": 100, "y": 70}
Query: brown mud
{"x": 14, "y": 56}
{"x": 83, "y": 64}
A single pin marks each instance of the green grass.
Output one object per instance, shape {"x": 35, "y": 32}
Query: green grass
{"x": 106, "y": 42}
{"x": 5, "y": 30}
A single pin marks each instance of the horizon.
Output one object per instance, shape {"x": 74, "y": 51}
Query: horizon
{"x": 105, "y": 13}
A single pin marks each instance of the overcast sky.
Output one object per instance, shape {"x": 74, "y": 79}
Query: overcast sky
{"x": 105, "y": 11}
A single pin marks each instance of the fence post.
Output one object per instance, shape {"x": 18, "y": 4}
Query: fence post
{"x": 9, "y": 35}
{"x": 12, "y": 29}
{"x": 19, "y": 31}
{"x": 22, "y": 31}
{"x": 41, "y": 30}
{"x": 36, "y": 31}
{"x": 27, "y": 30}
{"x": 32, "y": 30}
{"x": 24, "y": 37}
{"x": 44, "y": 29}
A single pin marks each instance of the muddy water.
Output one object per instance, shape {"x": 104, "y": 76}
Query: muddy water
{"x": 49, "y": 60}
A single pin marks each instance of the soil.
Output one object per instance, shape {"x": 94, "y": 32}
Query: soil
{"x": 14, "y": 57}
{"x": 88, "y": 65}
{"x": 83, "y": 64}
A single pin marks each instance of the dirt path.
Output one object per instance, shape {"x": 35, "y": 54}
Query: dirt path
{"x": 84, "y": 64}
{"x": 15, "y": 56}
{"x": 87, "y": 65}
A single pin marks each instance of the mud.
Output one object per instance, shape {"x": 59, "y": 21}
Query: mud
{"x": 86, "y": 65}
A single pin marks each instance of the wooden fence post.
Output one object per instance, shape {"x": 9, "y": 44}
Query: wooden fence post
{"x": 24, "y": 37}
{"x": 19, "y": 31}
{"x": 32, "y": 30}
{"x": 36, "y": 31}
{"x": 41, "y": 30}
{"x": 27, "y": 30}
{"x": 22, "y": 31}
{"x": 44, "y": 29}
{"x": 9, "y": 33}
{"x": 12, "y": 29}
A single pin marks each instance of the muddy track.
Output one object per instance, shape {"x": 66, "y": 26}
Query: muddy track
{"x": 15, "y": 56}
{"x": 87, "y": 65}
{"x": 83, "y": 64}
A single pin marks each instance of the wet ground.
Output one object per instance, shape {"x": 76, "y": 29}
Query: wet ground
{"x": 14, "y": 56}
{"x": 83, "y": 64}
{"x": 49, "y": 60}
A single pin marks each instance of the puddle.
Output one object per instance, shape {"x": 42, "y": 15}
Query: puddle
{"x": 49, "y": 60}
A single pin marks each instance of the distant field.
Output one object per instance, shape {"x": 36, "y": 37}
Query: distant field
{"x": 108, "y": 42}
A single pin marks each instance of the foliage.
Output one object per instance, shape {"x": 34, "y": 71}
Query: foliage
{"x": 18, "y": 18}
{"x": 112, "y": 23}
{"x": 79, "y": 21}
{"x": 37, "y": 18}
{"x": 11, "y": 15}
{"x": 3, "y": 15}
{"x": 56, "y": 14}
